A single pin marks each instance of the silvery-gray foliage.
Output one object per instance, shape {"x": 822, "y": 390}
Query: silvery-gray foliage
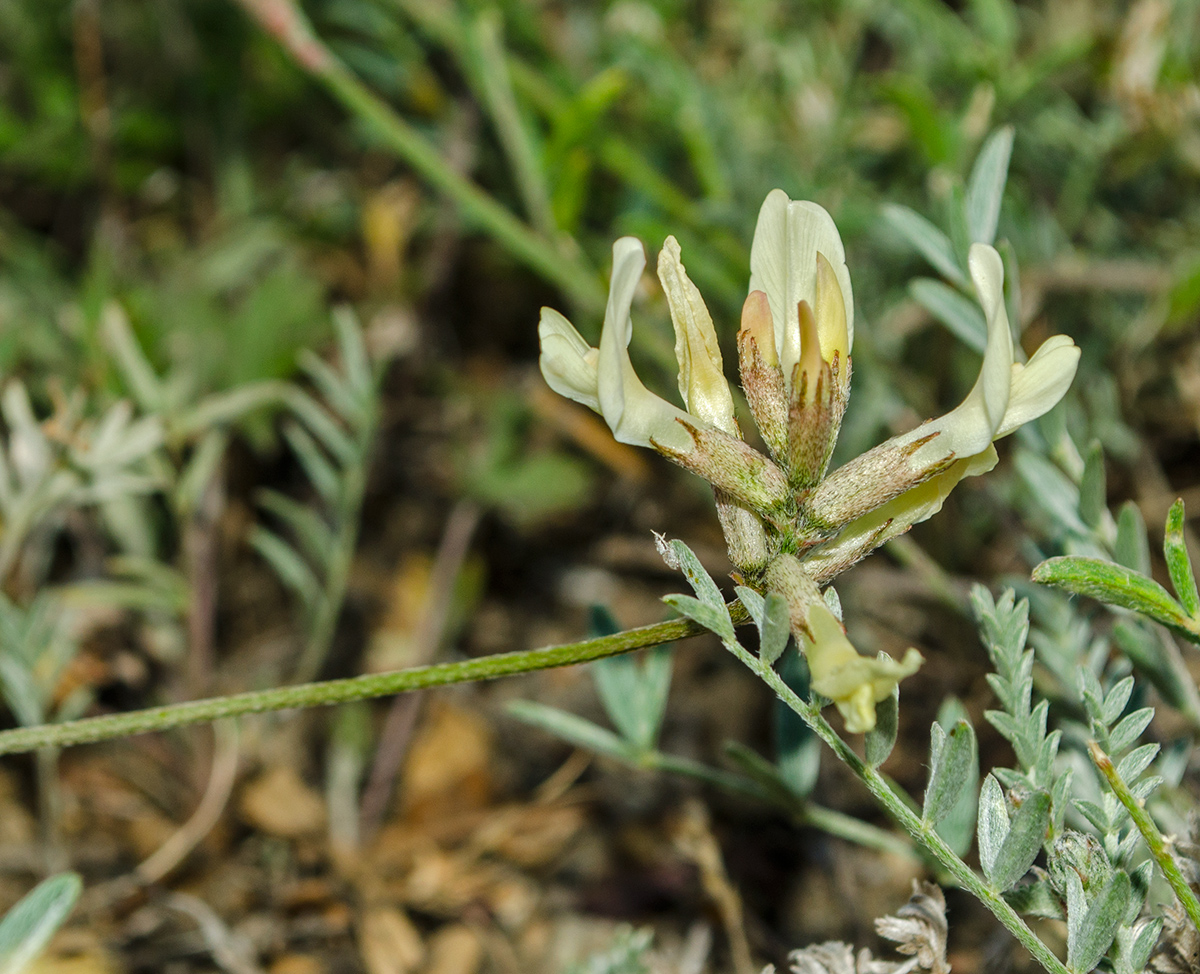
{"x": 919, "y": 930}
{"x": 27, "y": 927}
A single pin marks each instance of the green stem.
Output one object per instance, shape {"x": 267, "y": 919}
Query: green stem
{"x": 854, "y": 830}
{"x": 621, "y": 158}
{"x": 923, "y": 832}
{"x": 1155, "y": 841}
{"x": 94, "y": 729}
{"x": 287, "y": 24}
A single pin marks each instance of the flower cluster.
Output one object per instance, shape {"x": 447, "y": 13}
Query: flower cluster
{"x": 790, "y": 524}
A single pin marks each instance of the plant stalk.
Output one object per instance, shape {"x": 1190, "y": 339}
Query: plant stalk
{"x": 93, "y": 729}
{"x": 1155, "y": 841}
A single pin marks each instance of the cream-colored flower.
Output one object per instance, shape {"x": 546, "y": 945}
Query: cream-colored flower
{"x": 905, "y": 480}
{"x": 797, "y": 255}
{"x": 854, "y": 683}
{"x": 603, "y": 379}
{"x": 1006, "y": 394}
{"x": 705, "y": 440}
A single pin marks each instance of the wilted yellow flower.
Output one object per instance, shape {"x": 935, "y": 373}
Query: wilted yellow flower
{"x": 854, "y": 683}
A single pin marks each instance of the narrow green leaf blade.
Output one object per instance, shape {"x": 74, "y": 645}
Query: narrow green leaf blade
{"x": 1129, "y": 729}
{"x": 927, "y": 239}
{"x": 1179, "y": 563}
{"x": 957, "y": 827}
{"x": 29, "y": 925}
{"x": 961, "y": 315}
{"x": 356, "y": 363}
{"x": 879, "y": 741}
{"x": 571, "y": 728}
{"x": 316, "y": 464}
{"x": 1095, "y": 934}
{"x": 985, "y": 189}
{"x": 776, "y": 628}
{"x": 292, "y": 570}
{"x": 314, "y": 535}
{"x": 1093, "y": 488}
{"x": 1113, "y": 584}
{"x": 753, "y": 602}
{"x": 711, "y": 618}
{"x": 135, "y": 368}
{"x": 678, "y": 555}
{"x": 617, "y": 684}
{"x": 993, "y": 825}
{"x": 1133, "y": 546}
{"x": 797, "y": 747}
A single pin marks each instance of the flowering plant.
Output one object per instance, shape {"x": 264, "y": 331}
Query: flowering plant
{"x": 790, "y": 524}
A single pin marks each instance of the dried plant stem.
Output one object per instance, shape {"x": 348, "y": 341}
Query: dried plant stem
{"x": 220, "y": 786}
{"x": 402, "y": 715}
{"x": 93, "y": 729}
{"x": 1155, "y": 841}
{"x": 923, "y": 832}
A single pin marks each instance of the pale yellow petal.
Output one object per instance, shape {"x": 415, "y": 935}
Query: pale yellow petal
{"x": 854, "y": 683}
{"x": 702, "y": 380}
{"x": 832, "y": 323}
{"x": 568, "y": 363}
{"x": 783, "y": 264}
{"x": 894, "y": 518}
{"x": 633, "y": 413}
{"x": 1038, "y": 385}
{"x": 968, "y": 430}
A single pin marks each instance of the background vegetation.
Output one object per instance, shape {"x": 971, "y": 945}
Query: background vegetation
{"x": 269, "y": 283}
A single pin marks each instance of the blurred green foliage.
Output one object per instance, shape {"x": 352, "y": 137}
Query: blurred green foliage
{"x": 172, "y": 155}
{"x": 176, "y": 158}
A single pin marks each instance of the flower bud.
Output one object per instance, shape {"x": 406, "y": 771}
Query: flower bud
{"x": 731, "y": 465}
{"x": 817, "y": 403}
{"x": 854, "y": 683}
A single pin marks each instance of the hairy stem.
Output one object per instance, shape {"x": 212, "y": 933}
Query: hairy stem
{"x": 1155, "y": 841}
{"x": 94, "y": 729}
{"x": 922, "y": 831}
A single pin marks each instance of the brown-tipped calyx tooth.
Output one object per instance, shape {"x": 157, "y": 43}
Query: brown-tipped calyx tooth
{"x": 762, "y": 378}
{"x": 871, "y": 480}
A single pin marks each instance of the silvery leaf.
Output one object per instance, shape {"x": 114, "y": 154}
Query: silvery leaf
{"x": 950, "y": 764}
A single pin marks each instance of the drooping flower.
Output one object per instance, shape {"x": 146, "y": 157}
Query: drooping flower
{"x": 854, "y": 683}
{"x": 797, "y": 257}
{"x": 706, "y": 439}
{"x": 603, "y": 379}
